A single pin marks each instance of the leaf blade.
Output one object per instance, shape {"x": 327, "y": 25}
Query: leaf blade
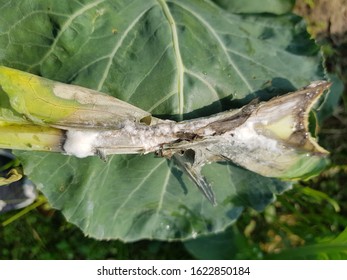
{"x": 137, "y": 64}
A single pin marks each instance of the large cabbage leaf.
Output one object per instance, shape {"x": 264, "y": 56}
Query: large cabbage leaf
{"x": 178, "y": 59}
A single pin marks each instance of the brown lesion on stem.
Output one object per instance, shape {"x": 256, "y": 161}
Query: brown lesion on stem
{"x": 280, "y": 124}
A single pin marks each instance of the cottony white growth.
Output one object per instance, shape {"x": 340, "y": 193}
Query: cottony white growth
{"x": 80, "y": 143}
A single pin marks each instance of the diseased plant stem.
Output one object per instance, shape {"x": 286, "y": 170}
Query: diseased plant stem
{"x": 270, "y": 138}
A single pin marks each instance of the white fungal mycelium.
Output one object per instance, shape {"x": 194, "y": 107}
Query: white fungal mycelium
{"x": 80, "y": 143}
{"x": 2, "y": 204}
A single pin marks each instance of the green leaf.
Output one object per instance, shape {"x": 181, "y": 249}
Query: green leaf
{"x": 172, "y": 58}
{"x": 277, "y": 7}
{"x": 130, "y": 196}
{"x": 331, "y": 100}
{"x": 228, "y": 245}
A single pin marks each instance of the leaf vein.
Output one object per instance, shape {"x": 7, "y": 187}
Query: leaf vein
{"x": 224, "y": 49}
{"x": 210, "y": 87}
{"x": 116, "y": 48}
{"x": 120, "y": 208}
{"x": 161, "y": 101}
{"x": 179, "y": 61}
{"x": 155, "y": 63}
{"x": 65, "y": 27}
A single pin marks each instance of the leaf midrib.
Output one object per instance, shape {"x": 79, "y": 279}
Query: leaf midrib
{"x": 179, "y": 61}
